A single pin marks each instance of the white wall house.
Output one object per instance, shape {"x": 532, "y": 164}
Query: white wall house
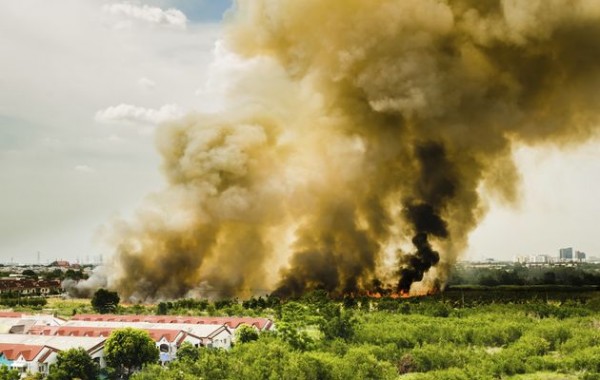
{"x": 167, "y": 342}
{"x": 94, "y": 346}
{"x": 216, "y": 336}
{"x": 27, "y": 358}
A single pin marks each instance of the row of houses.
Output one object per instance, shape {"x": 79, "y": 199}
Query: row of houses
{"x": 28, "y": 287}
{"x": 35, "y": 353}
{"x": 261, "y": 324}
{"x": 30, "y": 343}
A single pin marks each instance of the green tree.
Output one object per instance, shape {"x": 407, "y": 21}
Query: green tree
{"x": 245, "y": 334}
{"x": 9, "y": 374}
{"x": 212, "y": 364}
{"x": 105, "y": 301}
{"x": 75, "y": 363}
{"x": 128, "y": 350}
{"x": 29, "y": 273}
{"x": 74, "y": 275}
{"x": 295, "y": 312}
{"x": 337, "y": 323}
{"x": 162, "y": 309}
{"x": 294, "y": 336}
{"x": 187, "y": 352}
{"x": 359, "y": 363}
{"x": 56, "y": 274}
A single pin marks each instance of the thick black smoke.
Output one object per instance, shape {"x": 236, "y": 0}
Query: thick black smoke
{"x": 436, "y": 186}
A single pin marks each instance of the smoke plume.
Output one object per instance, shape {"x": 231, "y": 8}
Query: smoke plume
{"x": 356, "y": 143}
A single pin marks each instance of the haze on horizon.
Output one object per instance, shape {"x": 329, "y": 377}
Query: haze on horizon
{"x": 85, "y": 83}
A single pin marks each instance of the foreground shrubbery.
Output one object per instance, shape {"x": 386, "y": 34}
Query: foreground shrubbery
{"x": 33, "y": 302}
{"x": 425, "y": 338}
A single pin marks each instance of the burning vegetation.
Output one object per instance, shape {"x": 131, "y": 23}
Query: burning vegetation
{"x": 355, "y": 144}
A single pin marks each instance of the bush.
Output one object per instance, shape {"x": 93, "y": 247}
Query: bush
{"x": 187, "y": 352}
{"x": 9, "y": 374}
{"x": 75, "y": 363}
{"x": 245, "y": 334}
{"x": 105, "y": 301}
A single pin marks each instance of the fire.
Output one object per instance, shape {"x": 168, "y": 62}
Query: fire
{"x": 393, "y": 295}
{"x": 400, "y": 294}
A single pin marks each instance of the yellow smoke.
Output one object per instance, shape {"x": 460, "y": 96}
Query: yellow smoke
{"x": 376, "y": 124}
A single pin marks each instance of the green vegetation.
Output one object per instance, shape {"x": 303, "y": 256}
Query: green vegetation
{"x": 105, "y": 301}
{"x": 10, "y": 300}
{"x": 128, "y": 350}
{"x": 75, "y": 363}
{"x": 470, "y": 333}
{"x": 9, "y": 374}
{"x": 187, "y": 352}
{"x": 499, "y": 322}
{"x": 46, "y": 274}
{"x": 66, "y": 308}
{"x": 579, "y": 274}
{"x": 245, "y": 334}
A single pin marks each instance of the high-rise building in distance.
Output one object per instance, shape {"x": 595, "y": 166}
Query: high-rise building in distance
{"x": 565, "y": 254}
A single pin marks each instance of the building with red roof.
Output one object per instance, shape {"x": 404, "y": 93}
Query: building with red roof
{"x": 29, "y": 287}
{"x": 27, "y": 357}
{"x": 31, "y": 342}
{"x": 261, "y": 324}
{"x": 8, "y": 342}
{"x": 20, "y": 323}
{"x": 167, "y": 339}
{"x": 11, "y": 314}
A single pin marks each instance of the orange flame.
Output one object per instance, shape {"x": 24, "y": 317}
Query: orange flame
{"x": 400, "y": 294}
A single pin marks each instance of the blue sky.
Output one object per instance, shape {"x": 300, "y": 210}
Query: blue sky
{"x": 197, "y": 10}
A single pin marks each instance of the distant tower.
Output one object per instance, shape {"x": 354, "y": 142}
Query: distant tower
{"x": 565, "y": 254}
{"x": 38, "y": 261}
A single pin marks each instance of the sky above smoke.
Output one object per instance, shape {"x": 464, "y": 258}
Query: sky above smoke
{"x": 85, "y": 84}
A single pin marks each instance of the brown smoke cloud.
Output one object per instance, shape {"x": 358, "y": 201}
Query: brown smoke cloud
{"x": 362, "y": 147}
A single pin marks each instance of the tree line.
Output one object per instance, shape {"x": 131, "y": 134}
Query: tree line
{"x": 518, "y": 274}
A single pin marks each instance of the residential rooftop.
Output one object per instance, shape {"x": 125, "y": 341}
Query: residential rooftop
{"x": 12, "y": 352}
{"x": 231, "y": 322}
{"x": 56, "y": 342}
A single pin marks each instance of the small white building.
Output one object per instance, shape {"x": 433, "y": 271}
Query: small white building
{"x": 94, "y": 346}
{"x": 27, "y": 358}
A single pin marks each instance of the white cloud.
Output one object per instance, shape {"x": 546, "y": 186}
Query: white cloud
{"x": 53, "y": 81}
{"x": 154, "y": 15}
{"x": 84, "y": 169}
{"x": 139, "y": 115}
{"x": 146, "y": 84}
